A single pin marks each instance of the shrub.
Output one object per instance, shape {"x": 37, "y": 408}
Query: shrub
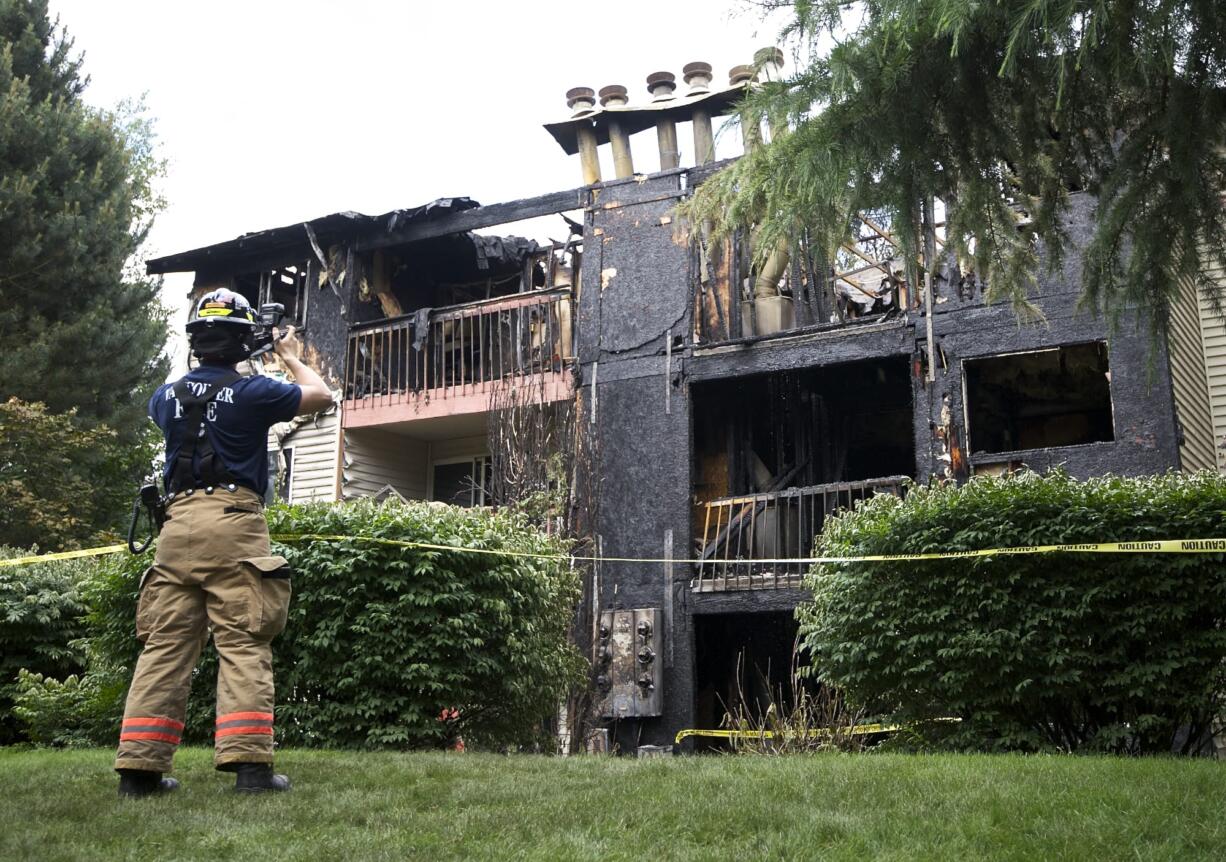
{"x": 41, "y": 621}
{"x": 381, "y": 638}
{"x": 1054, "y": 651}
{"x": 82, "y": 710}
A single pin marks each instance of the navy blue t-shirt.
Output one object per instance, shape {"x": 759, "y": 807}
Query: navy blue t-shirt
{"x": 237, "y": 421}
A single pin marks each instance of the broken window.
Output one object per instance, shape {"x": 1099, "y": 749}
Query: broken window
{"x": 1056, "y": 397}
{"x": 285, "y": 285}
{"x": 838, "y": 423}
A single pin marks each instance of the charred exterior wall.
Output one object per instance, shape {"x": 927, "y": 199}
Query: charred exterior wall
{"x": 638, "y": 363}
{"x": 327, "y": 327}
{"x": 634, "y": 303}
{"x": 965, "y": 328}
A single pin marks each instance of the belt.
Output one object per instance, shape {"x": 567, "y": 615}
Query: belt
{"x": 209, "y": 489}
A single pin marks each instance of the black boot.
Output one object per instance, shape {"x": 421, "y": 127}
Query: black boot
{"x": 138, "y": 782}
{"x": 258, "y": 777}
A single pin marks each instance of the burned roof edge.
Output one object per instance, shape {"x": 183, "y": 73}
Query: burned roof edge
{"x": 291, "y": 236}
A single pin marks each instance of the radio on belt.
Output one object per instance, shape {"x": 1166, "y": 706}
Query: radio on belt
{"x": 629, "y": 665}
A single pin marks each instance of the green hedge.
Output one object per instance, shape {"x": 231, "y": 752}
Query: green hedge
{"x": 380, "y": 638}
{"x": 1056, "y": 651}
{"x": 41, "y": 623}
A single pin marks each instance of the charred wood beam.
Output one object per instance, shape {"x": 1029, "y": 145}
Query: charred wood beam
{"x": 233, "y": 262}
{"x": 474, "y": 219}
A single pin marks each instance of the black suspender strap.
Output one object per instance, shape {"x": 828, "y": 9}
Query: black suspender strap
{"x": 196, "y": 440}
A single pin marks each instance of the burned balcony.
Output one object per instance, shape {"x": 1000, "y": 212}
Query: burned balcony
{"x": 488, "y": 313}
{"x": 451, "y": 360}
{"x": 775, "y": 455}
{"x": 756, "y": 541}
{"x": 741, "y": 293}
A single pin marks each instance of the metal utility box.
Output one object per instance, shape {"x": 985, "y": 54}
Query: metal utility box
{"x": 630, "y": 673}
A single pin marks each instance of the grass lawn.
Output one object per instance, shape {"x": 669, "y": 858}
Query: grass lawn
{"x": 62, "y": 805}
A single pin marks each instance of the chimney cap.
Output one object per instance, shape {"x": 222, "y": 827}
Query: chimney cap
{"x": 768, "y": 55}
{"x": 697, "y": 77}
{"x": 613, "y": 94}
{"x": 661, "y": 85}
{"x": 581, "y": 101}
{"x": 738, "y": 75}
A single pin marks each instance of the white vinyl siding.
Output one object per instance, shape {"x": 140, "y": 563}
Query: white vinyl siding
{"x": 313, "y": 476}
{"x": 1189, "y": 382}
{"x": 375, "y": 459}
{"x": 1213, "y": 336}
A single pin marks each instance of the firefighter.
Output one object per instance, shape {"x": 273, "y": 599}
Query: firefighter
{"x": 214, "y": 571}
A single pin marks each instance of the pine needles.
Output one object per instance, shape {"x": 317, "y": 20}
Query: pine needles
{"x": 1000, "y": 110}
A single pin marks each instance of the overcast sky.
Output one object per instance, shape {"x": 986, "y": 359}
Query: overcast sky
{"x": 270, "y": 112}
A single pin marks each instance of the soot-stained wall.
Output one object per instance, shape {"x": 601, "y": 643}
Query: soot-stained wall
{"x": 965, "y": 328}
{"x": 638, "y": 361}
{"x": 327, "y": 327}
{"x": 633, "y": 306}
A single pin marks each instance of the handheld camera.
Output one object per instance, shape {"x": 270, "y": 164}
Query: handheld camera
{"x": 261, "y": 340}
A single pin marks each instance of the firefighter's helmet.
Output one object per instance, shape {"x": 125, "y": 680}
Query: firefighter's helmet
{"x": 222, "y": 307}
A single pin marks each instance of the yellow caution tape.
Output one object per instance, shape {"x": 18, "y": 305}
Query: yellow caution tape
{"x": 1163, "y": 546}
{"x": 857, "y": 730}
{"x": 63, "y": 555}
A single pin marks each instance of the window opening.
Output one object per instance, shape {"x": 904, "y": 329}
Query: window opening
{"x": 775, "y": 455}
{"x": 1057, "y": 397}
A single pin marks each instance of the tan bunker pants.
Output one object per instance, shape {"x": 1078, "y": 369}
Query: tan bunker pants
{"x": 213, "y": 572}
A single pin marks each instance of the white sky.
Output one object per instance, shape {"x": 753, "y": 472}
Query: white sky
{"x": 271, "y": 112}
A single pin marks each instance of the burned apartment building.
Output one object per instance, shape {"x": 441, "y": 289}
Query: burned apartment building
{"x": 726, "y": 410}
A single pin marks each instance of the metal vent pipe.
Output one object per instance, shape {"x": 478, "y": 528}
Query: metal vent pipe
{"x": 751, "y": 128}
{"x": 697, "y": 77}
{"x": 614, "y": 96}
{"x": 582, "y": 102}
{"x": 661, "y": 85}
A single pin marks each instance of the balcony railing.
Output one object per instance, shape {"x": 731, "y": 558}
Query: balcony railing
{"x": 746, "y": 537}
{"x": 461, "y": 350}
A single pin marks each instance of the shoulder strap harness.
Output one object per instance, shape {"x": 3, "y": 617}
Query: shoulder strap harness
{"x": 196, "y": 440}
